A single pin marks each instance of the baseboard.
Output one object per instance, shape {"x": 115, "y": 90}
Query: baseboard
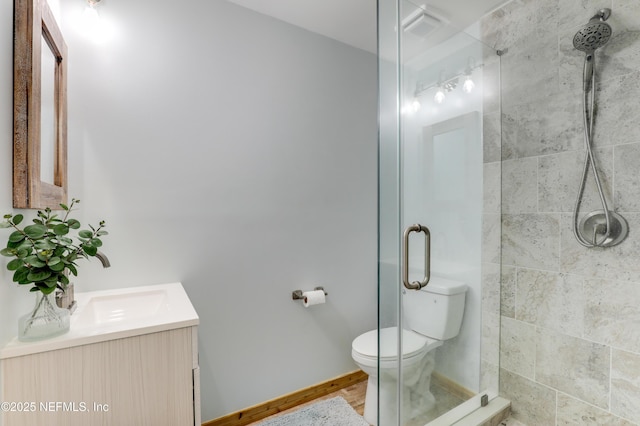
{"x": 451, "y": 387}
{"x": 276, "y": 405}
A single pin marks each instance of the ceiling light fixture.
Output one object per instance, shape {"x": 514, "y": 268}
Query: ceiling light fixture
{"x": 446, "y": 85}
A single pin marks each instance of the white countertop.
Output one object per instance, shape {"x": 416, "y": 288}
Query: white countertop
{"x": 116, "y": 314}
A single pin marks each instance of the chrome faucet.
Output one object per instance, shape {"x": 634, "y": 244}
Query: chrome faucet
{"x": 65, "y": 298}
{"x": 103, "y": 259}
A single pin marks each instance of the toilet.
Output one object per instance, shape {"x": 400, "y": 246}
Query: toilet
{"x": 431, "y": 316}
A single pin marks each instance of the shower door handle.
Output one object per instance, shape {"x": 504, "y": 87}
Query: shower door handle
{"x": 416, "y": 285}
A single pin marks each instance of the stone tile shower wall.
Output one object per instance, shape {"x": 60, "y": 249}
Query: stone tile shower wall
{"x": 570, "y": 316}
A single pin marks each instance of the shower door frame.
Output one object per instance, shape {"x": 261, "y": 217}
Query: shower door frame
{"x": 384, "y": 237}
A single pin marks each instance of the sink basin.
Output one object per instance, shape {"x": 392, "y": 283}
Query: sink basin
{"x": 103, "y": 310}
{"x": 115, "y": 314}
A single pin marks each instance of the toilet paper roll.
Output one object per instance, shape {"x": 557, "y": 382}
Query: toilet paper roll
{"x": 315, "y": 297}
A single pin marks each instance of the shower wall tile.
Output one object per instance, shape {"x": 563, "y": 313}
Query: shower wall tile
{"x": 489, "y": 376}
{"x": 550, "y": 300}
{"x": 491, "y": 137}
{"x": 575, "y": 366}
{"x": 529, "y": 71}
{"x": 627, "y": 178}
{"x": 544, "y": 126}
{"x": 621, "y": 55}
{"x": 571, "y": 66}
{"x": 582, "y": 303}
{"x": 490, "y": 337}
{"x": 626, "y": 14}
{"x": 573, "y": 412}
{"x": 509, "y": 24}
{"x": 531, "y": 402}
{"x": 625, "y": 385}
{"x": 531, "y": 240}
{"x": 611, "y": 313}
{"x": 508, "y": 291}
{"x": 491, "y": 188}
{"x": 575, "y": 13}
{"x": 491, "y": 238}
{"x": 491, "y": 287}
{"x": 517, "y": 347}
{"x": 509, "y": 133}
{"x": 559, "y": 181}
{"x": 617, "y": 123}
{"x": 519, "y": 189}
{"x": 614, "y": 263}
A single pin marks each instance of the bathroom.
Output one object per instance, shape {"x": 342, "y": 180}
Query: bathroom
{"x": 237, "y": 154}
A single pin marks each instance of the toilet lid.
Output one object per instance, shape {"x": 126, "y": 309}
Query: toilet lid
{"x": 367, "y": 344}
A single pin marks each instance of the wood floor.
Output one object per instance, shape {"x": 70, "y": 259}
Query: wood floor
{"x": 446, "y": 398}
{"x": 353, "y": 394}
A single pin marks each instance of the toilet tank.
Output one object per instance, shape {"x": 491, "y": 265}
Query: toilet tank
{"x": 436, "y": 310}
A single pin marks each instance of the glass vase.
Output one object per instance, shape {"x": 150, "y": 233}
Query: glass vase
{"x": 44, "y": 321}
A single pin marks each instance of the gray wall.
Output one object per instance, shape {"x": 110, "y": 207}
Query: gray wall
{"x": 236, "y": 154}
{"x": 570, "y": 341}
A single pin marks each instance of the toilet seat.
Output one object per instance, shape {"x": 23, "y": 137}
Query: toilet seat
{"x": 414, "y": 345}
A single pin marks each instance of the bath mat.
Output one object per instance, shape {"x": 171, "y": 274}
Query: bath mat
{"x": 331, "y": 412}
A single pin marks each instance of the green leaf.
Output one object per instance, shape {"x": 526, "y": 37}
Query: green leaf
{"x": 85, "y": 234}
{"x": 14, "y": 264}
{"x": 90, "y": 250}
{"x": 64, "y": 207}
{"x": 101, "y": 233}
{"x": 61, "y": 229}
{"x": 52, "y": 281}
{"x": 35, "y": 232}
{"x": 64, "y": 280}
{"x": 16, "y": 236}
{"x": 96, "y": 242}
{"x": 65, "y": 241}
{"x": 58, "y": 267}
{"x": 20, "y": 276}
{"x": 38, "y": 276}
{"x": 53, "y": 261}
{"x": 5, "y": 225}
{"x": 17, "y": 219}
{"x": 44, "y": 255}
{"x": 73, "y": 224}
{"x": 45, "y": 245}
{"x": 8, "y": 252}
{"x": 46, "y": 290}
{"x": 34, "y": 261}
{"x": 72, "y": 269}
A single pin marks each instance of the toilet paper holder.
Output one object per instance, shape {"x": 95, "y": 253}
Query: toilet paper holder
{"x": 297, "y": 294}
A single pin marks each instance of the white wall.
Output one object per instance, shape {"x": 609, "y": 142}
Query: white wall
{"x": 237, "y": 154}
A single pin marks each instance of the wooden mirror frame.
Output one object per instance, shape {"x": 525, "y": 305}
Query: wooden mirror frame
{"x": 33, "y": 23}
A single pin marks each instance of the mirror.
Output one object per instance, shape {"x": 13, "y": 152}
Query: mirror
{"x": 40, "y": 108}
{"x": 47, "y": 114}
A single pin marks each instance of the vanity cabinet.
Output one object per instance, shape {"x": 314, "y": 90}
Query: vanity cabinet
{"x": 130, "y": 358}
{"x": 149, "y": 379}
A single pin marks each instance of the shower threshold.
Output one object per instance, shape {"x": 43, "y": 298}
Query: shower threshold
{"x": 469, "y": 413}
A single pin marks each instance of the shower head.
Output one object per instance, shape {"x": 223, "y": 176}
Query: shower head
{"x": 589, "y": 38}
{"x": 595, "y": 34}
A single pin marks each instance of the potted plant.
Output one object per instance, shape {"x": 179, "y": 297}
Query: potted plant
{"x": 44, "y": 253}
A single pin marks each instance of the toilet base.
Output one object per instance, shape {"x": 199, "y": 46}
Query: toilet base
{"x": 417, "y": 398}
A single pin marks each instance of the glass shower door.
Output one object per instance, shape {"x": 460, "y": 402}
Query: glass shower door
{"x": 438, "y": 96}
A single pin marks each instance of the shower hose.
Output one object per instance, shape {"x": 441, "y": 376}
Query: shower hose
{"x": 588, "y": 103}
